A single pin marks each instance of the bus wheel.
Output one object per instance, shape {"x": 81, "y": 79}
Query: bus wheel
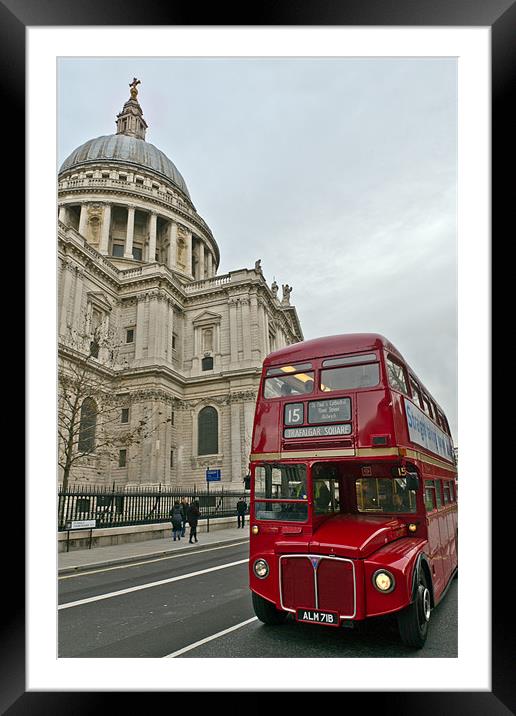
{"x": 267, "y": 612}
{"x": 413, "y": 621}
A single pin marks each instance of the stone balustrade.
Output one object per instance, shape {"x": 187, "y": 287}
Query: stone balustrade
{"x": 141, "y": 189}
{"x": 207, "y": 284}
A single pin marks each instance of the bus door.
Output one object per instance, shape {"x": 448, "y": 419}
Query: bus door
{"x": 454, "y": 523}
{"x": 444, "y": 532}
{"x": 450, "y": 513}
{"x": 432, "y": 505}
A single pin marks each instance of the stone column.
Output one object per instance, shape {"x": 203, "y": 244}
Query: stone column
{"x": 163, "y": 327}
{"x": 266, "y": 346}
{"x": 68, "y": 271}
{"x": 195, "y": 259}
{"x": 246, "y": 328}
{"x": 255, "y": 330}
{"x": 233, "y": 326}
{"x": 170, "y": 332}
{"x": 128, "y": 251}
{"x": 236, "y": 444}
{"x": 155, "y": 445}
{"x": 189, "y": 244}
{"x": 153, "y": 300}
{"x": 77, "y": 302}
{"x": 83, "y": 221}
{"x": 106, "y": 226}
{"x": 172, "y": 245}
{"x": 63, "y": 213}
{"x": 209, "y": 266}
{"x": 153, "y": 219}
{"x": 140, "y": 323}
{"x": 201, "y": 260}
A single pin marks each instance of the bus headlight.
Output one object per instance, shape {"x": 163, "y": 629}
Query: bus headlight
{"x": 261, "y": 568}
{"x": 383, "y": 581}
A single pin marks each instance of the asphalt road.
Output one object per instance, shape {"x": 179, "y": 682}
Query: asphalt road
{"x": 197, "y": 604}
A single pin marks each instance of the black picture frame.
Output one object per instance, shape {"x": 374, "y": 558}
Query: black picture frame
{"x": 500, "y": 16}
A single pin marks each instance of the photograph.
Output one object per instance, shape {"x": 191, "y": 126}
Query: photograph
{"x": 238, "y": 238}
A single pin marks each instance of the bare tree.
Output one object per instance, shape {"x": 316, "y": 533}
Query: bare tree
{"x": 88, "y": 411}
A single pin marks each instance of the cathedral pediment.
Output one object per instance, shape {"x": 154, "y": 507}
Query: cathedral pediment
{"x": 207, "y": 318}
{"x": 97, "y": 298}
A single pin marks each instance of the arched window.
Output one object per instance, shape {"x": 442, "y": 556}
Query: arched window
{"x": 208, "y": 431}
{"x": 88, "y": 426}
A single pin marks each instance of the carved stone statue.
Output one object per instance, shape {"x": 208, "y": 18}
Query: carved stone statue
{"x": 133, "y": 86}
{"x": 257, "y": 266}
{"x": 274, "y": 289}
{"x": 287, "y": 290}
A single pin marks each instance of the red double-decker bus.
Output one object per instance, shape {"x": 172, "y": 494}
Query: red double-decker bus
{"x": 353, "y": 488}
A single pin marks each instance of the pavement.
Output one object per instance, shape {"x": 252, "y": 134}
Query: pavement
{"x": 85, "y": 559}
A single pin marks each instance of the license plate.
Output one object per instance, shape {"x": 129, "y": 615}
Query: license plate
{"x": 314, "y": 616}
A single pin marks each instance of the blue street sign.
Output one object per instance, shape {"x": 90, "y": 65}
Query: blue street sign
{"x": 213, "y": 476}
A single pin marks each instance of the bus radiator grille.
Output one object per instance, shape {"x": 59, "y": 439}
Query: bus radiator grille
{"x": 330, "y": 585}
{"x": 297, "y": 583}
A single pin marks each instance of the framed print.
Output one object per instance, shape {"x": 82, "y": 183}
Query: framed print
{"x": 43, "y": 48}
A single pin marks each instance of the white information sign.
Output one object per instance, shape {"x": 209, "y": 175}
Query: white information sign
{"x": 423, "y": 432}
{"x": 82, "y": 524}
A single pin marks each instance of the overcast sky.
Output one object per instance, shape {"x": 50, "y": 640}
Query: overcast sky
{"x": 339, "y": 174}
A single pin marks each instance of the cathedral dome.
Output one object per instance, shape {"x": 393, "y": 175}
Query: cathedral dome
{"x": 126, "y": 198}
{"x": 127, "y": 150}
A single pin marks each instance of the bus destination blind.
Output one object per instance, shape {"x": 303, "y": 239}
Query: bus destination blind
{"x": 317, "y": 431}
{"x": 329, "y": 411}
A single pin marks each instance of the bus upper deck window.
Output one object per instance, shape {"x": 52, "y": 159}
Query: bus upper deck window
{"x": 416, "y": 392}
{"x": 350, "y": 377}
{"x": 288, "y": 380}
{"x": 426, "y": 405}
{"x": 347, "y": 360}
{"x": 396, "y": 376}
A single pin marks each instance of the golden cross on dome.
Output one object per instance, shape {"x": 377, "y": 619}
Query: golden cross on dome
{"x": 133, "y": 86}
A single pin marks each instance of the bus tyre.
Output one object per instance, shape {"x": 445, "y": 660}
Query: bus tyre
{"x": 413, "y": 621}
{"x": 267, "y": 612}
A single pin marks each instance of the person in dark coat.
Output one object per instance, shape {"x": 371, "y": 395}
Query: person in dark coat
{"x": 193, "y": 519}
{"x": 177, "y": 520}
{"x": 241, "y": 510}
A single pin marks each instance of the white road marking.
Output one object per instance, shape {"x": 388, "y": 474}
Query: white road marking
{"x": 85, "y": 573}
{"x": 149, "y": 585}
{"x": 208, "y": 638}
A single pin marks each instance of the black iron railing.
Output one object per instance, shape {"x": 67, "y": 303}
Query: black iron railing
{"x": 116, "y": 507}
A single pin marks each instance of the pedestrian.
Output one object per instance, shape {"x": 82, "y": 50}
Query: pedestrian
{"x": 241, "y": 510}
{"x": 177, "y": 521}
{"x": 193, "y": 518}
{"x": 184, "y": 514}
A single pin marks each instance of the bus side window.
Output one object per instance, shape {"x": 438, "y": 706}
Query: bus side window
{"x": 416, "y": 393}
{"x": 452, "y": 491}
{"x": 438, "y": 493}
{"x": 430, "y": 495}
{"x": 446, "y": 492}
{"x": 426, "y": 405}
{"x": 396, "y": 375}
